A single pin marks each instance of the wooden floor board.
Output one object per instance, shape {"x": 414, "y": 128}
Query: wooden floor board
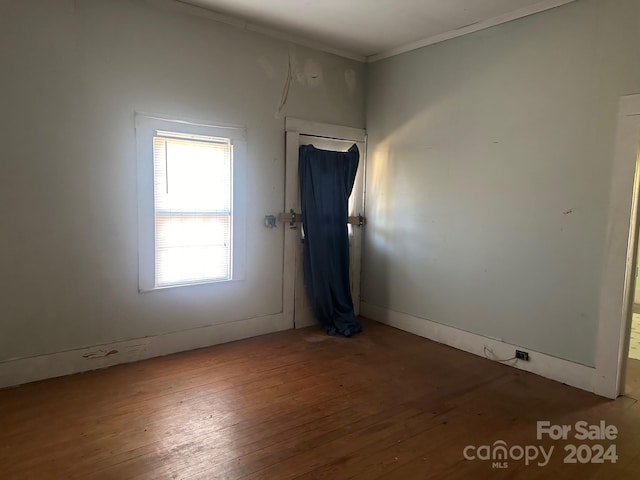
{"x": 301, "y": 405}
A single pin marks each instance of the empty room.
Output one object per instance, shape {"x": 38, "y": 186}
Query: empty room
{"x": 294, "y": 239}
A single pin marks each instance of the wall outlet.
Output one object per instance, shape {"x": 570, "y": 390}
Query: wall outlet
{"x": 522, "y": 355}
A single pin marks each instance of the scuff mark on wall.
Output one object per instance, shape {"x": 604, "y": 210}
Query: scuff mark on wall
{"x": 99, "y": 354}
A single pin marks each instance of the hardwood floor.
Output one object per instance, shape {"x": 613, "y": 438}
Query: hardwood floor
{"x": 298, "y": 404}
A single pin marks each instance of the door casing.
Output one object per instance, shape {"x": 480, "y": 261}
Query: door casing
{"x": 618, "y": 275}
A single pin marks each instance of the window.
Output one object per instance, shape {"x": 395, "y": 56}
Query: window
{"x": 188, "y": 217}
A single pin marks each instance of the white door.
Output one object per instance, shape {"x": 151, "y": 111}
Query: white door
{"x": 325, "y": 137}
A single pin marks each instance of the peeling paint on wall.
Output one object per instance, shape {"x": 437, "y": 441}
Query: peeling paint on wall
{"x": 286, "y": 87}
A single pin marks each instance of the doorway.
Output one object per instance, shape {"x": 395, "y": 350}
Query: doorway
{"x": 631, "y": 370}
{"x": 630, "y": 363}
{"x": 620, "y": 263}
{"x": 296, "y": 307}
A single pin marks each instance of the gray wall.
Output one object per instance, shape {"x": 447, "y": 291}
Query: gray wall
{"x": 488, "y": 178}
{"x": 72, "y": 75}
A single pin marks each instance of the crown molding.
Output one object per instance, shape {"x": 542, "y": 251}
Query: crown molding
{"x": 182, "y": 6}
{"x": 474, "y": 27}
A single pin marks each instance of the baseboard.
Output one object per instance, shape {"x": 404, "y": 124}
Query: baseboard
{"x": 574, "y": 374}
{"x": 25, "y": 370}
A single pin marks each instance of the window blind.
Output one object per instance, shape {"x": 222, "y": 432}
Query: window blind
{"x": 193, "y": 208}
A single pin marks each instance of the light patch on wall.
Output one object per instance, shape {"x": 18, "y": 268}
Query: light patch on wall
{"x": 378, "y": 179}
{"x": 351, "y": 80}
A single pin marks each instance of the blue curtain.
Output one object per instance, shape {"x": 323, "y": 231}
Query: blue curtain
{"x": 326, "y": 181}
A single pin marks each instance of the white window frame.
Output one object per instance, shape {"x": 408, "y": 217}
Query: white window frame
{"x": 146, "y": 127}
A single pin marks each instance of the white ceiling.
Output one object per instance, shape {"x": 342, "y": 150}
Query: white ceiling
{"x": 374, "y": 28}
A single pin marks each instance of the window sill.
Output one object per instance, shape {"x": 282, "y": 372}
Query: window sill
{"x": 191, "y": 284}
